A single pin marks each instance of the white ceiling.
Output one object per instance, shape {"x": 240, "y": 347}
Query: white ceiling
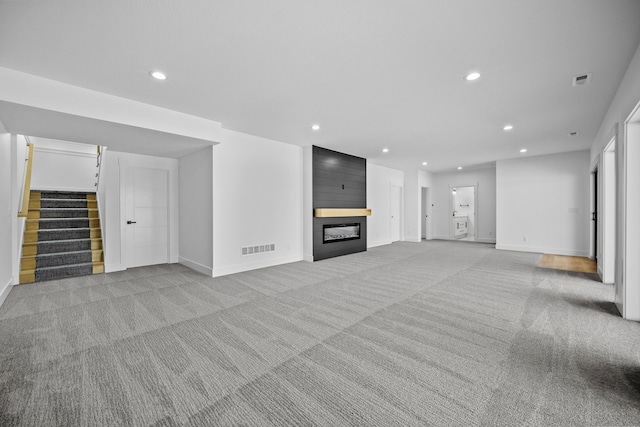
{"x": 372, "y": 73}
{"x": 116, "y": 136}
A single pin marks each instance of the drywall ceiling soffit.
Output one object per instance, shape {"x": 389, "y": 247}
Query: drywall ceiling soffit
{"x": 373, "y": 74}
{"x": 32, "y": 121}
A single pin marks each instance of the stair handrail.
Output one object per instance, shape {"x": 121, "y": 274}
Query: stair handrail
{"x": 99, "y": 159}
{"x": 98, "y": 166}
{"x": 26, "y": 180}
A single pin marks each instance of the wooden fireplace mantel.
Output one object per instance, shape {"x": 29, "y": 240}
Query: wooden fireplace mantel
{"x": 337, "y": 212}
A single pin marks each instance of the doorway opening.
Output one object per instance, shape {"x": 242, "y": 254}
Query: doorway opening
{"x": 395, "y": 205}
{"x": 595, "y": 213}
{"x": 463, "y": 200}
{"x": 606, "y": 251}
{"x": 427, "y": 208}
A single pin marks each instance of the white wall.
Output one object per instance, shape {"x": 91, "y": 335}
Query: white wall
{"x": 631, "y": 283}
{"x": 485, "y": 180}
{"x": 625, "y": 100}
{"x": 113, "y": 172}
{"x": 61, "y": 165}
{"x": 379, "y": 181}
{"x": 257, "y": 200}
{"x": 6, "y": 216}
{"x": 21, "y": 154}
{"x": 196, "y": 211}
{"x": 545, "y": 200}
{"x": 412, "y": 207}
{"x": 26, "y": 89}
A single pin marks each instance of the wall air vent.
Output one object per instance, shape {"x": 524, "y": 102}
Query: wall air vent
{"x": 252, "y": 250}
{"x": 581, "y": 80}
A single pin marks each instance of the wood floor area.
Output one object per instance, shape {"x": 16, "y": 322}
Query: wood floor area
{"x": 569, "y": 263}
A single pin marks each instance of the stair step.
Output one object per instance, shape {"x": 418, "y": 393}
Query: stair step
{"x": 68, "y": 258}
{"x": 62, "y": 237}
{"x": 57, "y": 246}
{"x": 62, "y": 203}
{"x": 65, "y": 195}
{"x": 30, "y": 262}
{"x": 52, "y": 273}
{"x": 58, "y": 223}
{"x": 62, "y": 213}
{"x": 61, "y": 234}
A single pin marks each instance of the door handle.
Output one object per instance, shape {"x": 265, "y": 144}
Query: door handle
{"x": 131, "y": 222}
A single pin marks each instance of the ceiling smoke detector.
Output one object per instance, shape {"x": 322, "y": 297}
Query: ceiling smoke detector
{"x": 581, "y": 80}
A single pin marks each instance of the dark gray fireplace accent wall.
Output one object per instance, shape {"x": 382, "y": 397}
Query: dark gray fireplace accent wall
{"x": 339, "y": 181}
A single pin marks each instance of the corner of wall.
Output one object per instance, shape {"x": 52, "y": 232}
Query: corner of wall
{"x": 207, "y": 271}
{"x": 4, "y": 291}
{"x": 307, "y": 203}
{"x": 112, "y": 268}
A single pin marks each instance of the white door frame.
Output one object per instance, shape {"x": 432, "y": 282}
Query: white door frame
{"x": 130, "y": 215}
{"x": 171, "y": 165}
{"x": 452, "y": 208}
{"x": 627, "y": 282}
{"x": 400, "y": 201}
{"x": 594, "y": 207}
{"x": 426, "y": 213}
{"x": 607, "y": 214}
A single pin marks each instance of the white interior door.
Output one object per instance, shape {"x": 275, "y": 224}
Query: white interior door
{"x": 395, "y": 203}
{"x": 423, "y": 211}
{"x": 429, "y": 215}
{"x": 146, "y": 207}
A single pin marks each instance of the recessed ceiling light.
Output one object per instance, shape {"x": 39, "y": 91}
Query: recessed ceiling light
{"x": 424, "y": 163}
{"x": 459, "y": 167}
{"x": 507, "y": 127}
{"x": 524, "y": 150}
{"x": 158, "y": 75}
{"x": 385, "y": 150}
{"x": 472, "y": 76}
{"x": 315, "y": 127}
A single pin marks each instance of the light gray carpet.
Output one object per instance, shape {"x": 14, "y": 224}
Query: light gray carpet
{"x": 410, "y": 334}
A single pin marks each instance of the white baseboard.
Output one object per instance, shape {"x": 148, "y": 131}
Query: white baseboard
{"x": 412, "y": 239}
{"x": 207, "y": 271}
{"x": 543, "y": 250}
{"x": 378, "y": 243}
{"x": 307, "y": 257}
{"x": 477, "y": 239}
{"x": 4, "y": 292}
{"x": 239, "y": 268}
{"x": 440, "y": 237}
{"x": 485, "y": 240}
{"x": 110, "y": 268}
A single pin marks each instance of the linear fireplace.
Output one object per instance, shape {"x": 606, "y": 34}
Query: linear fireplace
{"x": 340, "y": 232}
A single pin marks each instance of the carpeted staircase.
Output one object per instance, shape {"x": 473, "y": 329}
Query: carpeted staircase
{"x": 62, "y": 237}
